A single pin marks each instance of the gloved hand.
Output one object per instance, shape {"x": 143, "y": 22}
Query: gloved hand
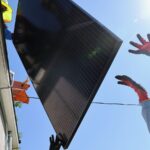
{"x": 143, "y": 48}
{"x": 140, "y": 91}
{"x": 55, "y": 143}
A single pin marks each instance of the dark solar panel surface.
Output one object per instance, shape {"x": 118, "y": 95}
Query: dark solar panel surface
{"x": 66, "y": 53}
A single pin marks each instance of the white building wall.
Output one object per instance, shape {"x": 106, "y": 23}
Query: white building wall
{"x": 6, "y": 102}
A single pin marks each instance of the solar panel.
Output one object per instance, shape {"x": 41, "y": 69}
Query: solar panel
{"x": 67, "y": 54}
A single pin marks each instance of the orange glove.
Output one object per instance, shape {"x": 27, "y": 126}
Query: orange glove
{"x": 140, "y": 91}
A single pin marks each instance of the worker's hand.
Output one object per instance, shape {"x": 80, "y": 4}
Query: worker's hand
{"x": 140, "y": 91}
{"x": 143, "y": 48}
{"x": 124, "y": 80}
{"x": 55, "y": 142}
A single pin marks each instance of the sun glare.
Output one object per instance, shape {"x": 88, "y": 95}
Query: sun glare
{"x": 145, "y": 9}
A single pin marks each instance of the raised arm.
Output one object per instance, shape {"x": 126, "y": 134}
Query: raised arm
{"x": 140, "y": 91}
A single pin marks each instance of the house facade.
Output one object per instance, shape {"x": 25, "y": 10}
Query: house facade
{"x": 8, "y": 126}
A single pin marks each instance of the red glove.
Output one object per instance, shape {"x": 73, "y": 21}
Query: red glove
{"x": 143, "y": 48}
{"x": 140, "y": 91}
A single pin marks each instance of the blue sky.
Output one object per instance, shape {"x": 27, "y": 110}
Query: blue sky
{"x": 104, "y": 127}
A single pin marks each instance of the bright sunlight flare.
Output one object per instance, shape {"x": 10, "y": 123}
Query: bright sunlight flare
{"x": 145, "y": 9}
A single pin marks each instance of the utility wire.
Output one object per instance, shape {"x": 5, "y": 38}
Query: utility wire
{"x": 102, "y": 103}
{"x": 120, "y": 104}
{"x": 33, "y": 97}
{"x": 98, "y": 103}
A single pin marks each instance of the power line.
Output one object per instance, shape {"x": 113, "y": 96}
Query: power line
{"x": 33, "y": 97}
{"x": 120, "y": 104}
{"x": 102, "y": 103}
{"x": 98, "y": 103}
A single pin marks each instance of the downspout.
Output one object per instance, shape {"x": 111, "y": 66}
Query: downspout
{"x": 9, "y": 140}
